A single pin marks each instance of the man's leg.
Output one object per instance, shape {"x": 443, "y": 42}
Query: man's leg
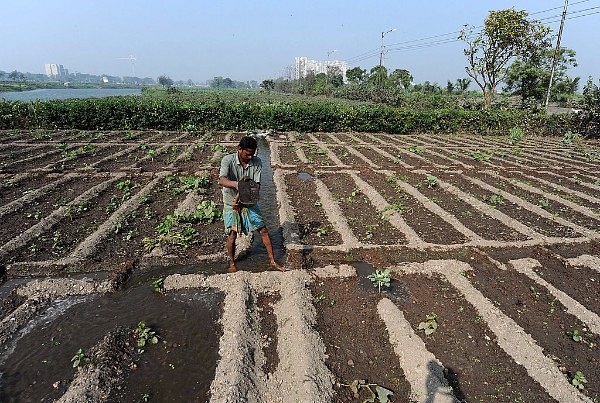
{"x": 264, "y": 234}
{"x": 231, "y": 251}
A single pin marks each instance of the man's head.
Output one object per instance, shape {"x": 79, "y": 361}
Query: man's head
{"x": 246, "y": 148}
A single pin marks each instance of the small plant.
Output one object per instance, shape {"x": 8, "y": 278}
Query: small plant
{"x": 144, "y": 336}
{"x": 380, "y": 394}
{"x": 416, "y": 149}
{"x": 493, "y": 200}
{"x": 575, "y": 335}
{"x": 570, "y": 138}
{"x": 79, "y": 360}
{"x": 158, "y": 284}
{"x": 320, "y": 297}
{"x": 318, "y": 203}
{"x": 322, "y": 231}
{"x": 579, "y": 380}
{"x": 597, "y": 182}
{"x": 481, "y": 156}
{"x": 536, "y": 294}
{"x": 370, "y": 232}
{"x": 515, "y": 135}
{"x": 543, "y": 203}
{"x": 431, "y": 181}
{"x": 380, "y": 278}
{"x": 430, "y": 325}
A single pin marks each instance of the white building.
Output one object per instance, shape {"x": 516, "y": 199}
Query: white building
{"x": 305, "y": 66}
{"x": 55, "y": 70}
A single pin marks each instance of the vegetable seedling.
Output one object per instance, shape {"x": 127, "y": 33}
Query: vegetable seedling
{"x": 380, "y": 278}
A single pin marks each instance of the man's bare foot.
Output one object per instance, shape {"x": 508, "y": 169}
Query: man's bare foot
{"x": 232, "y": 268}
{"x": 276, "y": 266}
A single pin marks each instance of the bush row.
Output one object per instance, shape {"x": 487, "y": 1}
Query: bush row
{"x": 139, "y": 113}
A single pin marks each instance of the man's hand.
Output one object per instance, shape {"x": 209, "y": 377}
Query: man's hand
{"x": 236, "y": 207}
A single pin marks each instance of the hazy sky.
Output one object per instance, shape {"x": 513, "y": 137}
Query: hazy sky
{"x": 256, "y": 40}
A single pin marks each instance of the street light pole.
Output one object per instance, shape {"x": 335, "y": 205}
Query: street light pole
{"x": 383, "y": 34}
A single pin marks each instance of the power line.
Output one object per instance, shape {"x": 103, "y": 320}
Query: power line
{"x": 444, "y": 39}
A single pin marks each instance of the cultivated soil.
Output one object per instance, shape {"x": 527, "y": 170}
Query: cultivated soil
{"x": 492, "y": 246}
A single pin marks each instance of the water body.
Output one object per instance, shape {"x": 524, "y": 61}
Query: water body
{"x": 66, "y": 93}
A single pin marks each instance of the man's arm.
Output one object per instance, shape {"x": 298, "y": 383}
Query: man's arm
{"x": 223, "y": 181}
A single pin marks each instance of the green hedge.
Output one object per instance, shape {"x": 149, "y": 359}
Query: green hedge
{"x": 173, "y": 113}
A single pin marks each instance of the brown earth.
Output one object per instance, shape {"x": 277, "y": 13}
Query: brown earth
{"x": 503, "y": 252}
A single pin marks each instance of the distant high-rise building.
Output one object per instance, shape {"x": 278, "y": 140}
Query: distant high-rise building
{"x": 55, "y": 70}
{"x": 304, "y": 66}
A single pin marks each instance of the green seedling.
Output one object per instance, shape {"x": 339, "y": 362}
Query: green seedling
{"x": 79, "y": 360}
{"x": 543, "y": 203}
{"x": 493, "y": 200}
{"x": 322, "y": 231}
{"x": 481, "y": 156}
{"x": 380, "y": 395}
{"x": 430, "y": 325}
{"x": 416, "y": 149}
{"x": 318, "y": 203}
{"x": 597, "y": 182}
{"x": 515, "y": 135}
{"x": 158, "y": 284}
{"x": 575, "y": 335}
{"x": 431, "y": 181}
{"x": 144, "y": 336}
{"x": 380, "y": 278}
{"x": 570, "y": 138}
{"x": 579, "y": 380}
{"x": 320, "y": 297}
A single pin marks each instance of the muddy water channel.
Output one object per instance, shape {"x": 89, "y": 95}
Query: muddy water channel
{"x": 37, "y": 365}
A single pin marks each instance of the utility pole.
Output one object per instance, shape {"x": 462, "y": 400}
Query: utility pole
{"x": 382, "y": 46}
{"x": 556, "y": 52}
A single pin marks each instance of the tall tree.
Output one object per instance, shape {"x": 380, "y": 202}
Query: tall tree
{"x": 401, "y": 78}
{"x": 506, "y": 35}
{"x": 165, "y": 81}
{"x": 356, "y": 75}
{"x": 530, "y": 77}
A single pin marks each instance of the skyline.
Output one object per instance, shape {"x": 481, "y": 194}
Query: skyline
{"x": 258, "y": 41}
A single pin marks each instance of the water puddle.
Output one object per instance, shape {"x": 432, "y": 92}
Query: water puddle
{"x": 395, "y": 292}
{"x": 305, "y": 176}
{"x": 180, "y": 368}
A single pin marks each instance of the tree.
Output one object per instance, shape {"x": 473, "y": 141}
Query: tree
{"x": 267, "y": 85}
{"x": 378, "y": 75}
{"x": 356, "y": 75}
{"x": 530, "y": 77}
{"x": 506, "y": 35}
{"x": 165, "y": 81}
{"x": 401, "y": 78}
{"x": 462, "y": 84}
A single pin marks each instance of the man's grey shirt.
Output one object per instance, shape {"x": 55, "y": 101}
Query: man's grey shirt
{"x": 232, "y": 169}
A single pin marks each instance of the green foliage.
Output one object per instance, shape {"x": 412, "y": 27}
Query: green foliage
{"x": 431, "y": 181}
{"x": 515, "y": 135}
{"x": 80, "y": 360}
{"x": 380, "y": 278}
{"x": 188, "y": 184}
{"x": 481, "y": 155}
{"x": 176, "y": 229}
{"x": 493, "y": 200}
{"x": 157, "y": 284}
{"x": 144, "y": 335}
{"x": 575, "y": 335}
{"x": 579, "y": 380}
{"x": 221, "y": 110}
{"x": 430, "y": 325}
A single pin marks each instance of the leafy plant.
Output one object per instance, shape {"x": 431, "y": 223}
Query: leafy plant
{"x": 157, "y": 284}
{"x": 481, "y": 155}
{"x": 416, "y": 149}
{"x": 431, "y": 181}
{"x": 79, "y": 360}
{"x": 493, "y": 200}
{"x": 188, "y": 184}
{"x": 579, "y": 380}
{"x": 322, "y": 231}
{"x": 515, "y": 135}
{"x": 144, "y": 336}
{"x": 543, "y": 203}
{"x": 597, "y": 182}
{"x": 380, "y": 394}
{"x": 380, "y": 278}
{"x": 575, "y": 335}
{"x": 569, "y": 138}
{"x": 430, "y": 325}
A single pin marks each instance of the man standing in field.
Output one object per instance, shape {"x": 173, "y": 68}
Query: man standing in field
{"x": 238, "y": 217}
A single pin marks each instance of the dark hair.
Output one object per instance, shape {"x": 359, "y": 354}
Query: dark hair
{"x": 248, "y": 142}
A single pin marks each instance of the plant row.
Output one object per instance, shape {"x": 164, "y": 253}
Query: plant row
{"x": 196, "y": 114}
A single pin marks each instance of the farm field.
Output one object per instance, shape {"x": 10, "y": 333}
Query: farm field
{"x": 492, "y": 246}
